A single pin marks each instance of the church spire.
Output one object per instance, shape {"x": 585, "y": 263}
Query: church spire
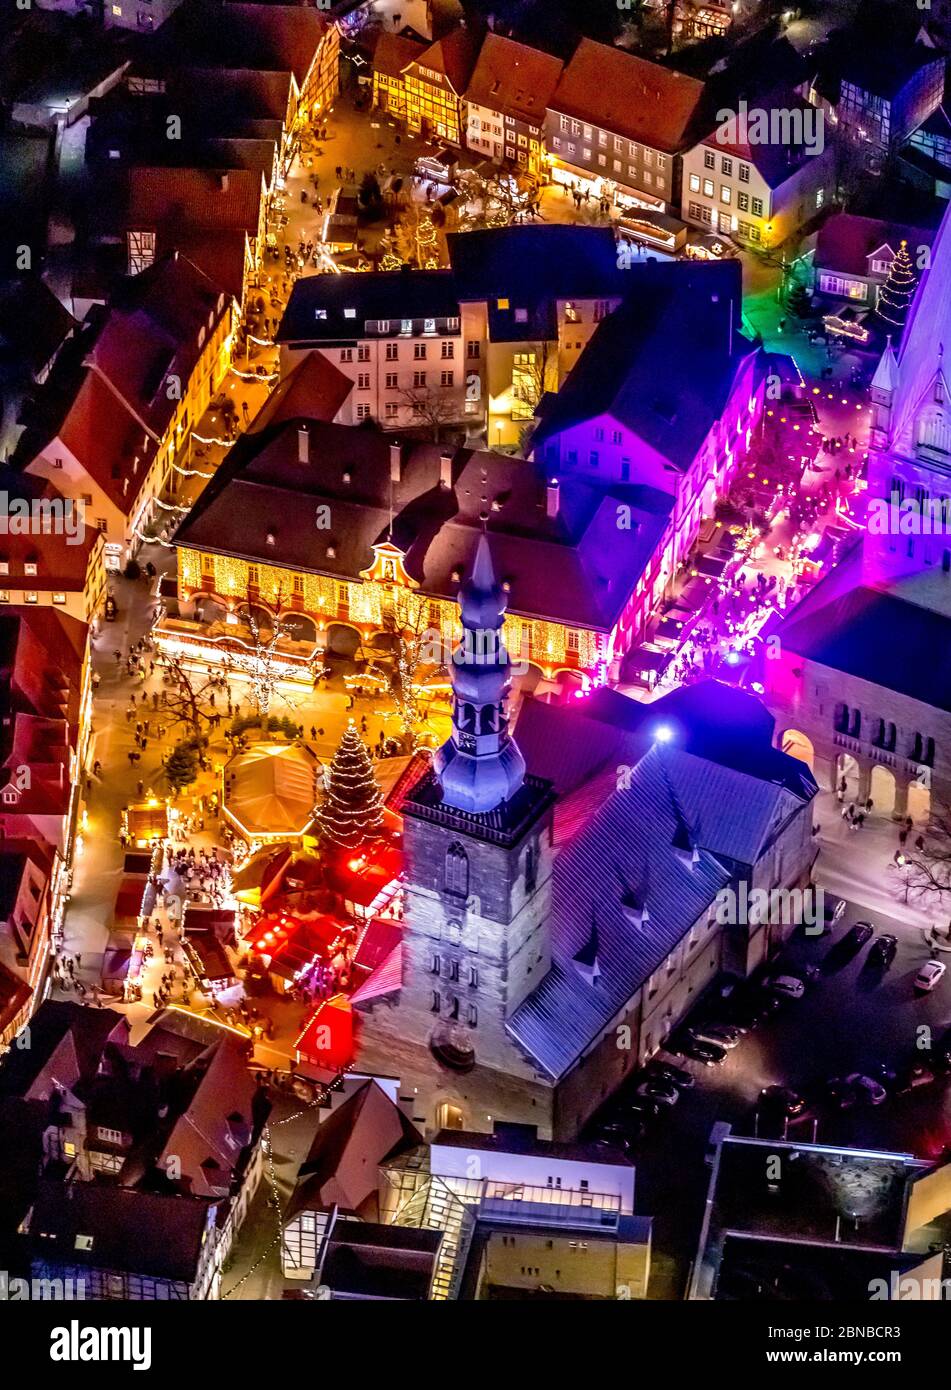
{"x": 480, "y": 767}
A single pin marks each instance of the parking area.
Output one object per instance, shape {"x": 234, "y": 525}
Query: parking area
{"x": 851, "y": 1018}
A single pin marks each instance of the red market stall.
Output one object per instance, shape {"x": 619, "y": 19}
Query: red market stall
{"x": 327, "y": 1039}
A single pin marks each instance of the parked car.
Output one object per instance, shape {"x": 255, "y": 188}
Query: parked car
{"x": 721, "y": 1034}
{"x": 708, "y": 1053}
{"x": 777, "y": 1105}
{"x": 857, "y": 935}
{"x": 839, "y": 1093}
{"x": 655, "y": 1089}
{"x": 783, "y": 1098}
{"x": 929, "y": 975}
{"x": 788, "y": 985}
{"x": 914, "y": 1079}
{"x": 881, "y": 953}
{"x": 617, "y": 1136}
{"x": 942, "y": 1051}
{"x": 678, "y": 1076}
{"x": 866, "y": 1087}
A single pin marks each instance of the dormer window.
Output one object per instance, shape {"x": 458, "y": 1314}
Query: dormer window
{"x": 30, "y": 568}
{"x": 349, "y": 313}
{"x": 320, "y": 313}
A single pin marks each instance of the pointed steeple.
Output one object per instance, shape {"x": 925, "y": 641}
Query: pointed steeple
{"x": 480, "y": 767}
{"x": 886, "y": 373}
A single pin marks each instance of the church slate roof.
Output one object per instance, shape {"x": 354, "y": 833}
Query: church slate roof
{"x": 859, "y": 632}
{"x": 664, "y": 364}
{"x": 625, "y": 841}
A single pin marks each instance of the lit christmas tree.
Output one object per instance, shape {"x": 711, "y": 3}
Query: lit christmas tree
{"x": 352, "y": 809}
{"x": 895, "y": 296}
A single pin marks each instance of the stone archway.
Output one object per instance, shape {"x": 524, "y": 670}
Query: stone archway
{"x": 299, "y": 627}
{"x": 919, "y": 802}
{"x": 882, "y": 791}
{"x": 343, "y": 640}
{"x": 798, "y": 745}
{"x": 846, "y": 778}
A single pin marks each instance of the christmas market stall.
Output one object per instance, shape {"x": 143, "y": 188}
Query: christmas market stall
{"x": 145, "y": 822}
{"x": 208, "y": 940}
{"x": 292, "y": 949}
{"x": 119, "y": 957}
{"x": 268, "y": 793}
{"x": 326, "y": 1042}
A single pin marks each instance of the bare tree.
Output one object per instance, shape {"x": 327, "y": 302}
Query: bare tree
{"x": 261, "y": 661}
{"x": 189, "y": 698}
{"x": 926, "y": 871}
{"x": 432, "y": 406}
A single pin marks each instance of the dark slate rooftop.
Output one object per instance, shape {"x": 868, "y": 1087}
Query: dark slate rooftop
{"x": 532, "y": 268}
{"x": 570, "y": 567}
{"x": 136, "y": 1232}
{"x": 859, "y": 631}
{"x": 664, "y": 363}
{"x": 348, "y": 301}
{"x": 718, "y": 786}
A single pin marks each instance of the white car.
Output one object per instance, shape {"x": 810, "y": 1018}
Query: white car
{"x": 929, "y": 974}
{"x": 788, "y": 985}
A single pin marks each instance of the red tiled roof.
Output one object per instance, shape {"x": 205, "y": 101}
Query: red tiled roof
{"x": 193, "y": 198}
{"x": 394, "y": 52}
{"x": 846, "y": 241}
{"x": 14, "y": 993}
{"x": 629, "y": 96}
{"x": 314, "y": 390}
{"x": 120, "y": 406}
{"x": 454, "y": 56}
{"x": 512, "y": 78}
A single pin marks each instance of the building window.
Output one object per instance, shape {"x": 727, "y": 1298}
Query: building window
{"x": 448, "y": 349}
{"x": 446, "y": 378}
{"x": 392, "y": 352}
{"x": 709, "y": 159}
{"x": 757, "y": 207}
{"x": 363, "y": 381}
{"x": 744, "y": 171}
{"x": 419, "y": 378}
{"x": 472, "y": 349}
{"x": 392, "y": 410}
{"x": 346, "y": 354}
{"x": 363, "y": 412}
{"x": 694, "y": 183}
{"x": 726, "y": 167}
{"x": 456, "y": 872}
{"x": 392, "y": 381}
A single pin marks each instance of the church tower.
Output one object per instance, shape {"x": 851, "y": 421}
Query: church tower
{"x": 478, "y": 847}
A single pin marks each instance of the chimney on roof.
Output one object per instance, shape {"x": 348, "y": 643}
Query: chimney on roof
{"x": 223, "y": 181}
{"x": 553, "y": 498}
{"x": 445, "y": 469}
{"x": 396, "y": 462}
{"x": 303, "y": 444}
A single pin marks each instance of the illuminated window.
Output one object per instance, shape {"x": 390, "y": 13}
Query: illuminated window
{"x": 501, "y": 304}
{"x": 524, "y": 383}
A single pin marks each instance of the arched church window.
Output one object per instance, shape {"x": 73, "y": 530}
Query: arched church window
{"x": 457, "y": 871}
{"x": 934, "y": 430}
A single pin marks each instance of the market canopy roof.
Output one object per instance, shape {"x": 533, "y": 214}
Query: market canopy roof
{"x": 271, "y": 790}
